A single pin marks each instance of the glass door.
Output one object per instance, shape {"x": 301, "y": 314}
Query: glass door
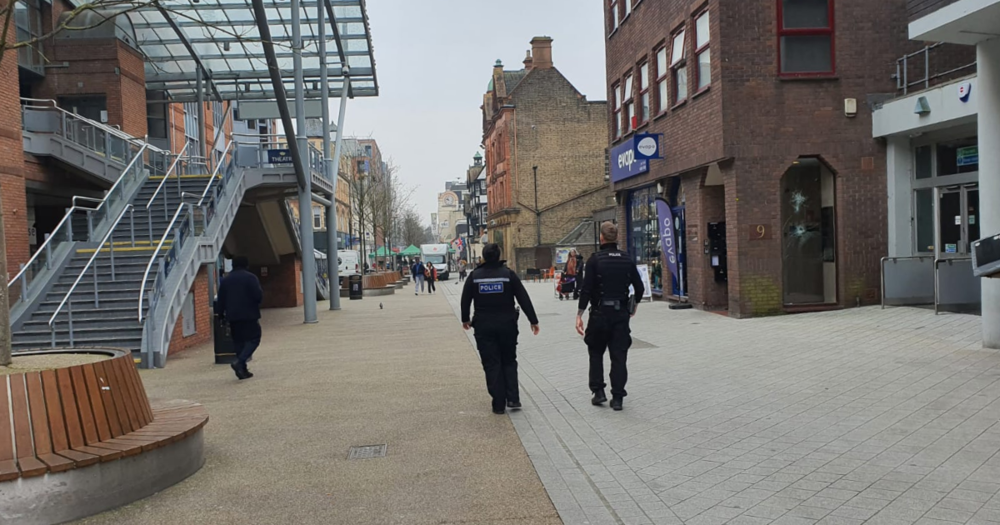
{"x": 958, "y": 219}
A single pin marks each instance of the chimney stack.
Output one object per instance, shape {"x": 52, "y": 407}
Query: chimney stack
{"x": 541, "y": 51}
{"x": 528, "y": 61}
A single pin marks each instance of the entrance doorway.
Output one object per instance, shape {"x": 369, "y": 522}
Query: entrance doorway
{"x": 958, "y": 219}
{"x": 809, "y": 263}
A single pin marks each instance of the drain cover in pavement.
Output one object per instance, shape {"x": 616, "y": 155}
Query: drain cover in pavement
{"x": 367, "y": 452}
{"x": 640, "y": 344}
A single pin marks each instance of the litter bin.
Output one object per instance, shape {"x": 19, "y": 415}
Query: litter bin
{"x": 356, "y": 287}
{"x": 225, "y": 351}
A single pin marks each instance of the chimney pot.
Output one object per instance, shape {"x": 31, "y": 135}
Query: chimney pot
{"x": 528, "y": 60}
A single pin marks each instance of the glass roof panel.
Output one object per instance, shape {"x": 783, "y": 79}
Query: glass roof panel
{"x": 224, "y": 39}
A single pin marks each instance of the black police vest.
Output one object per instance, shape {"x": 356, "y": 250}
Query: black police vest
{"x": 613, "y": 276}
{"x": 493, "y": 293}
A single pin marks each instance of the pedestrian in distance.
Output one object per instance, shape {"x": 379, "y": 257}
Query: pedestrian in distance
{"x": 579, "y": 274}
{"x": 568, "y": 282}
{"x": 607, "y": 277}
{"x": 417, "y": 271}
{"x": 492, "y": 289}
{"x": 462, "y": 271}
{"x": 238, "y": 303}
{"x": 431, "y": 275}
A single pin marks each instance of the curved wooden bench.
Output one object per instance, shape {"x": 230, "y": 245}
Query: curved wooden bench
{"x": 78, "y": 416}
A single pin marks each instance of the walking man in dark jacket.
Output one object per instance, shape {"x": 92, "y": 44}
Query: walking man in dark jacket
{"x": 607, "y": 278}
{"x": 493, "y": 288}
{"x": 239, "y": 303}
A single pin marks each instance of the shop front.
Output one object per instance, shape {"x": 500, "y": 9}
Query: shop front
{"x": 644, "y": 240}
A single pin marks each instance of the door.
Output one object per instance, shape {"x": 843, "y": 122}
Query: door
{"x": 958, "y": 219}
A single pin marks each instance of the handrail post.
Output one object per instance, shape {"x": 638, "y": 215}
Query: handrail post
{"x": 149, "y": 217}
{"x": 69, "y": 227}
{"x": 191, "y": 219}
{"x": 24, "y": 284}
{"x": 97, "y": 302}
{"x": 927, "y": 67}
{"x": 131, "y": 224}
{"x": 166, "y": 205}
{"x": 72, "y": 343}
{"x": 48, "y": 252}
{"x": 90, "y": 225}
{"x": 112, "y": 259}
{"x": 204, "y": 218}
{"x": 898, "y": 77}
{"x": 906, "y": 74}
{"x": 65, "y": 130}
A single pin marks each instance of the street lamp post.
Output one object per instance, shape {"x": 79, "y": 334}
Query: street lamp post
{"x": 538, "y": 214}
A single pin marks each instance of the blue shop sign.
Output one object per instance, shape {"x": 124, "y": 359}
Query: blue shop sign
{"x": 624, "y": 163}
{"x": 647, "y": 146}
{"x": 279, "y": 157}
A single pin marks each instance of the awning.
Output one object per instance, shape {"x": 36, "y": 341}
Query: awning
{"x": 222, "y": 36}
{"x": 411, "y": 250}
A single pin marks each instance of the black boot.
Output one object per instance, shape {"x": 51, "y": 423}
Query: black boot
{"x": 514, "y": 404}
{"x": 599, "y": 397}
{"x": 616, "y": 403}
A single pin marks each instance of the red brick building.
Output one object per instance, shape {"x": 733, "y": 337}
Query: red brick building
{"x": 768, "y": 161}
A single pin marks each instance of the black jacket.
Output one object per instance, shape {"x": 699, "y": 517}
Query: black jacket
{"x": 493, "y": 288}
{"x": 239, "y": 296}
{"x": 607, "y": 277}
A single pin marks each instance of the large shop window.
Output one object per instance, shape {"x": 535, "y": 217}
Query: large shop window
{"x": 806, "y": 38}
{"x": 644, "y": 234}
{"x": 809, "y": 255}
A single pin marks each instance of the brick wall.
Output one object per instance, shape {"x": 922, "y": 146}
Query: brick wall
{"x": 202, "y": 315}
{"x": 12, "y": 162}
{"x": 281, "y": 285}
{"x": 554, "y": 127}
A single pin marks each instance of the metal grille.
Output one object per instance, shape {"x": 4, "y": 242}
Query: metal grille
{"x": 367, "y": 452}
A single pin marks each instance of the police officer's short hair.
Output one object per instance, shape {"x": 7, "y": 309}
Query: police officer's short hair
{"x": 241, "y": 262}
{"x": 609, "y": 231}
{"x": 491, "y": 252}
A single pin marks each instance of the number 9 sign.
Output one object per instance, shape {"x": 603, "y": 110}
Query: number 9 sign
{"x": 759, "y": 232}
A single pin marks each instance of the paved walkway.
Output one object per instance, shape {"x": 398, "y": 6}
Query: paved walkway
{"x": 277, "y": 444}
{"x": 837, "y": 418}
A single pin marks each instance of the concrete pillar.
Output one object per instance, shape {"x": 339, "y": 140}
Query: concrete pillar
{"x": 988, "y": 56}
{"x": 900, "y": 191}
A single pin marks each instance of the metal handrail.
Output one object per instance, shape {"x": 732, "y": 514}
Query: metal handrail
{"x": 215, "y": 173}
{"x": 166, "y": 176}
{"x": 882, "y": 267}
{"x": 110, "y": 129}
{"x": 152, "y": 258}
{"x": 97, "y": 252}
{"x": 937, "y": 277}
{"x": 903, "y": 70}
{"x": 127, "y": 169}
{"x": 45, "y": 246}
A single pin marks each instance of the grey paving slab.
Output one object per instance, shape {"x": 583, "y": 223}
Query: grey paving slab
{"x": 861, "y": 415}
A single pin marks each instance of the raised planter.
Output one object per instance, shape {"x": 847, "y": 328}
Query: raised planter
{"x": 79, "y": 436}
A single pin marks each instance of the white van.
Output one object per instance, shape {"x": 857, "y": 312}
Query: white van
{"x": 436, "y": 254}
{"x": 348, "y": 262}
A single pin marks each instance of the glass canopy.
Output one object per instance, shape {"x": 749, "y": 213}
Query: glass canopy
{"x": 222, "y": 36}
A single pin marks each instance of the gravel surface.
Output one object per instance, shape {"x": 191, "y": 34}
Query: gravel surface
{"x": 37, "y": 363}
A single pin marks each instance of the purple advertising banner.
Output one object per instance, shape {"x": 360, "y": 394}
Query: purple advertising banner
{"x": 668, "y": 236}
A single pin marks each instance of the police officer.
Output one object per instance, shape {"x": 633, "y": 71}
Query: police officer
{"x": 493, "y": 287}
{"x": 607, "y": 277}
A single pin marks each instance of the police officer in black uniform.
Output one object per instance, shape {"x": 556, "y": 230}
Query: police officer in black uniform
{"x": 607, "y": 277}
{"x": 493, "y": 287}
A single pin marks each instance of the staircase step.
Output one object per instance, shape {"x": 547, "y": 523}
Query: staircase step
{"x": 118, "y": 322}
{"x": 43, "y": 341}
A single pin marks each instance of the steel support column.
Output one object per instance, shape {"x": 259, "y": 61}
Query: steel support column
{"x": 200, "y": 88}
{"x": 332, "y": 245}
{"x": 305, "y": 186}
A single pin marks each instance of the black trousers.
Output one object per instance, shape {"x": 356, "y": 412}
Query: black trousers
{"x": 246, "y": 339}
{"x": 497, "y": 343}
{"x": 430, "y": 285}
{"x": 608, "y": 329}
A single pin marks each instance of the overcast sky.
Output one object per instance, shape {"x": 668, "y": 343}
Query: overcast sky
{"x": 434, "y": 59}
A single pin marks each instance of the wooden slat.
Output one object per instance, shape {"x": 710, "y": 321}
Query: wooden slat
{"x": 25, "y": 447}
{"x": 53, "y": 404}
{"x": 143, "y": 398}
{"x": 40, "y": 426}
{"x": 74, "y": 430}
{"x": 97, "y": 403}
{"x": 83, "y": 405}
{"x": 121, "y": 388}
{"x": 104, "y": 383}
{"x": 126, "y": 371}
{"x": 8, "y": 467}
{"x": 116, "y": 395}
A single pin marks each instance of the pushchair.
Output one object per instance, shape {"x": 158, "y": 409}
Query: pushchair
{"x": 567, "y": 283}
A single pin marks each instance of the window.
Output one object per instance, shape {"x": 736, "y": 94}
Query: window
{"x": 28, "y": 24}
{"x": 317, "y": 218}
{"x": 628, "y": 8}
{"x": 629, "y": 103}
{"x": 678, "y": 64}
{"x": 616, "y": 110}
{"x": 702, "y": 53}
{"x": 644, "y": 92}
{"x": 661, "y": 80}
{"x": 615, "y": 21}
{"x": 805, "y": 37}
